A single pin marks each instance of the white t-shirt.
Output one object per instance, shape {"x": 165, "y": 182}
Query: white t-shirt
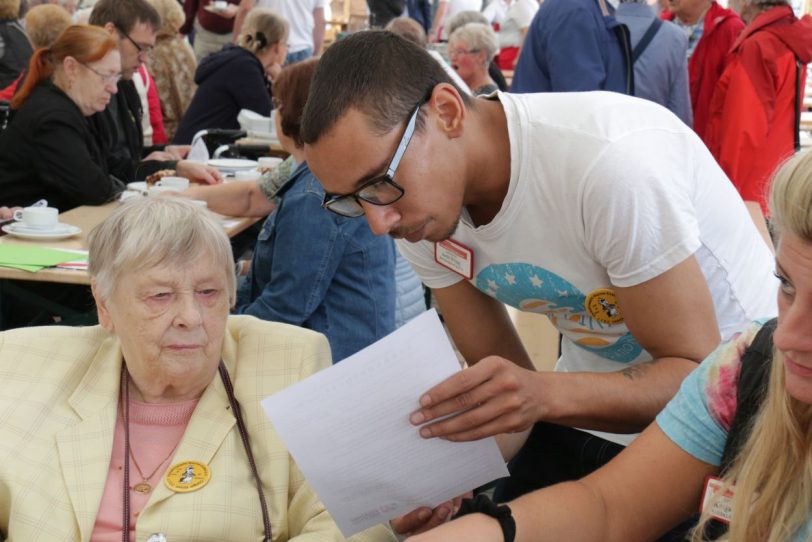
{"x": 518, "y": 16}
{"x": 456, "y": 6}
{"x": 607, "y": 191}
{"x": 299, "y": 14}
{"x": 496, "y": 10}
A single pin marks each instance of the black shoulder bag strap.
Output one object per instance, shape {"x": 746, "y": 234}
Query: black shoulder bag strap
{"x": 799, "y": 100}
{"x": 750, "y": 393}
{"x": 624, "y": 39}
{"x": 646, "y": 39}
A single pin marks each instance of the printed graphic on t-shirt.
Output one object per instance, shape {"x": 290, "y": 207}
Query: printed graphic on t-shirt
{"x": 533, "y": 289}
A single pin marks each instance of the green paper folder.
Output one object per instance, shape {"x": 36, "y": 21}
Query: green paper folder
{"x": 32, "y": 258}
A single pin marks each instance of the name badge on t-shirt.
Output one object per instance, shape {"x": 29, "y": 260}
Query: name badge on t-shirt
{"x": 456, "y": 257}
{"x": 716, "y": 500}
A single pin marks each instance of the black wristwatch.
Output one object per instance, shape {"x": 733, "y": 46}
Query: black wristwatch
{"x": 483, "y": 505}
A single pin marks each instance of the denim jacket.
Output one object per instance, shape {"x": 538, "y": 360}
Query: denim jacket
{"x": 318, "y": 270}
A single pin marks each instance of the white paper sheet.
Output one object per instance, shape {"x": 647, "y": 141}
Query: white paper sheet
{"x": 198, "y": 152}
{"x": 348, "y": 429}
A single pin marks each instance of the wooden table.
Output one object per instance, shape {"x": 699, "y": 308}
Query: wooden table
{"x": 85, "y": 217}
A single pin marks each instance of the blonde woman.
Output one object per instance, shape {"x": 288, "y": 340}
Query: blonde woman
{"x": 238, "y": 77}
{"x": 660, "y": 479}
{"x": 172, "y": 65}
{"x": 43, "y": 24}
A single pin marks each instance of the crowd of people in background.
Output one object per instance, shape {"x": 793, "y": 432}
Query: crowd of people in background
{"x": 637, "y": 218}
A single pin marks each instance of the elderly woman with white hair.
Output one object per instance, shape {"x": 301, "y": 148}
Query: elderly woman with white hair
{"x": 149, "y": 426}
{"x": 471, "y": 48}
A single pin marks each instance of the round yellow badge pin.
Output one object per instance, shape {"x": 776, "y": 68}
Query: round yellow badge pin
{"x": 602, "y": 305}
{"x": 187, "y": 476}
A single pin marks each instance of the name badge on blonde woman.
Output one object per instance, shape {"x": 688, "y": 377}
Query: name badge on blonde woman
{"x": 717, "y": 500}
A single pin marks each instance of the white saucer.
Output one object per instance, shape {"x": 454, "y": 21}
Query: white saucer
{"x": 139, "y": 186}
{"x": 230, "y": 165}
{"x": 62, "y": 231}
{"x": 127, "y": 194}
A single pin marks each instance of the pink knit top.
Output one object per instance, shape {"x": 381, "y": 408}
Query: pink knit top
{"x": 155, "y": 431}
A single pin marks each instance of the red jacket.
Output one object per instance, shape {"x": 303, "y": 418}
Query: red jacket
{"x": 8, "y": 93}
{"x": 752, "y": 120}
{"x": 709, "y": 59}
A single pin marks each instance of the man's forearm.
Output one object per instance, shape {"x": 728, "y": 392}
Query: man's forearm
{"x": 624, "y": 401}
{"x": 239, "y": 19}
{"x": 318, "y": 30}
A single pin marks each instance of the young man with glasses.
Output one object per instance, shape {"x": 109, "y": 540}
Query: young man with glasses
{"x": 135, "y": 24}
{"x": 604, "y": 212}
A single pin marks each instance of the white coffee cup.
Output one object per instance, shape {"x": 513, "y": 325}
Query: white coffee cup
{"x": 155, "y": 191}
{"x": 38, "y": 218}
{"x": 220, "y": 5}
{"x": 176, "y": 183}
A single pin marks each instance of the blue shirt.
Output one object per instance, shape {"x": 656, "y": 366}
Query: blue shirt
{"x": 570, "y": 46}
{"x": 322, "y": 271}
{"x": 661, "y": 72}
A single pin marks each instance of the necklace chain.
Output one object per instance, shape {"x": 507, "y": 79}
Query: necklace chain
{"x": 145, "y": 486}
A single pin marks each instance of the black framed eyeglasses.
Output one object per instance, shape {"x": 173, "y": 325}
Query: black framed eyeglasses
{"x": 382, "y": 190}
{"x": 142, "y": 49}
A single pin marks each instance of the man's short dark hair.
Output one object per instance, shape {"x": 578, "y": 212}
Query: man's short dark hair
{"x": 377, "y": 72}
{"x": 125, "y": 14}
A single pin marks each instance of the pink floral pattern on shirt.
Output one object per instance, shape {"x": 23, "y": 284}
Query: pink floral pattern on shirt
{"x": 722, "y": 376}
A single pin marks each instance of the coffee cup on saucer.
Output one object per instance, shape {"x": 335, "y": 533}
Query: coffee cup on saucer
{"x": 175, "y": 183}
{"x": 37, "y": 218}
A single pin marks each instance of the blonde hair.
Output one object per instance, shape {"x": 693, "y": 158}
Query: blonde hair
{"x": 772, "y": 474}
{"x": 9, "y": 9}
{"x": 172, "y": 16}
{"x": 44, "y": 24}
{"x": 146, "y": 232}
{"x": 263, "y": 28}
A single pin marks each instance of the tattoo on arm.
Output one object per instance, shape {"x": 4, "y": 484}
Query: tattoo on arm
{"x": 637, "y": 371}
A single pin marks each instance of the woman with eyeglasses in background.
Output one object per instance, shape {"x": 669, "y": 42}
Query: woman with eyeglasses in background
{"x": 48, "y": 150}
{"x": 471, "y": 48}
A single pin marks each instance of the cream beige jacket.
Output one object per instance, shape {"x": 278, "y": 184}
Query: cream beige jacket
{"x": 59, "y": 390}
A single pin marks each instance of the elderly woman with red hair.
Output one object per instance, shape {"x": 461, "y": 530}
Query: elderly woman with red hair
{"x": 48, "y": 150}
